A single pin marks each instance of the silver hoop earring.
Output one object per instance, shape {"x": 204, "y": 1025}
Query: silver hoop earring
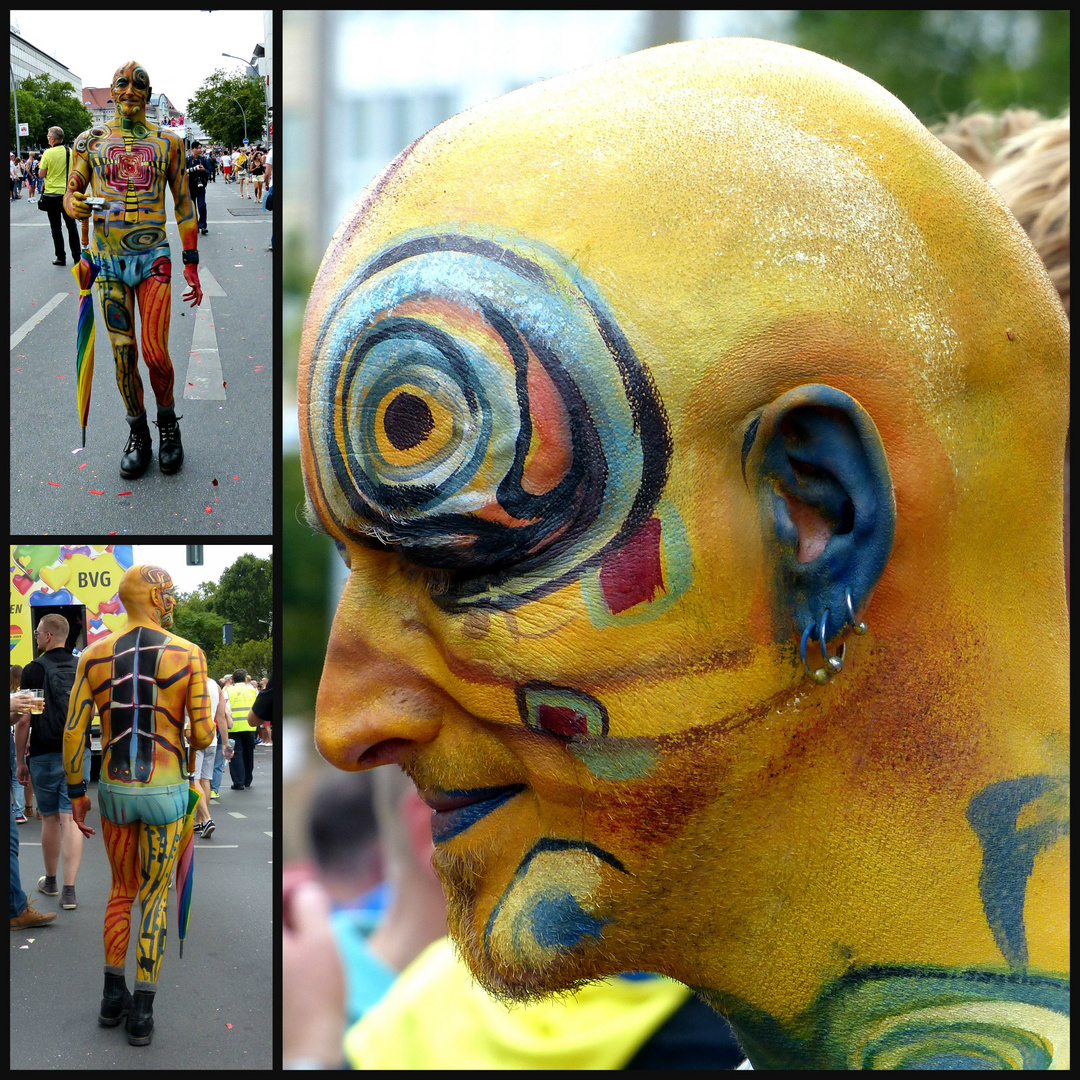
{"x": 836, "y": 663}
{"x": 858, "y": 627}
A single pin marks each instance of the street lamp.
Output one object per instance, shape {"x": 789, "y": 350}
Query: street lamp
{"x": 255, "y": 75}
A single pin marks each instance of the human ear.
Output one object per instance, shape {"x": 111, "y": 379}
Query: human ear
{"x": 817, "y": 462}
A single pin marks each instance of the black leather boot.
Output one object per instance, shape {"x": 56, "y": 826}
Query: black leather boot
{"x": 139, "y": 450}
{"x": 140, "y": 1021}
{"x": 115, "y": 1002}
{"x": 170, "y": 450}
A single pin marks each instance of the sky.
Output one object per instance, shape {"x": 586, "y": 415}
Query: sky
{"x": 178, "y": 49}
{"x": 216, "y": 558}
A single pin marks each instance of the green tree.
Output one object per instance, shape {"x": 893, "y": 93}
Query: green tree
{"x": 212, "y": 107}
{"x": 255, "y": 657}
{"x": 939, "y": 62}
{"x": 245, "y": 597}
{"x": 45, "y": 102}
{"x": 192, "y": 621}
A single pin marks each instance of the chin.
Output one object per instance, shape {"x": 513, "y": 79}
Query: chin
{"x": 539, "y": 939}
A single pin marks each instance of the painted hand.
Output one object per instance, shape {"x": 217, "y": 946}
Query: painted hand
{"x": 194, "y": 294}
{"x": 76, "y": 205}
{"x": 79, "y": 809}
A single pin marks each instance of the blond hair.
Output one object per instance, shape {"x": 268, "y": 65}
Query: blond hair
{"x": 1032, "y": 175}
{"x": 977, "y": 137}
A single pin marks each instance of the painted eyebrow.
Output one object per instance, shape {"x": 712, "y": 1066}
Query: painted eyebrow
{"x": 361, "y": 532}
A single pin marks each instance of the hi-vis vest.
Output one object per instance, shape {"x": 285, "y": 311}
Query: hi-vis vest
{"x": 241, "y": 698}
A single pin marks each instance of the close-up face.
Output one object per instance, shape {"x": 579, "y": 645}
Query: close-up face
{"x": 533, "y": 370}
{"x": 131, "y": 88}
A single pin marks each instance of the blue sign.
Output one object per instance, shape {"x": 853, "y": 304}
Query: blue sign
{"x": 245, "y": 142}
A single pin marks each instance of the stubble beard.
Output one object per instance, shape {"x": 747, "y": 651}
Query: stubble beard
{"x": 507, "y": 979}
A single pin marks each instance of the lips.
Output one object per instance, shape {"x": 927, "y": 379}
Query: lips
{"x": 456, "y": 811}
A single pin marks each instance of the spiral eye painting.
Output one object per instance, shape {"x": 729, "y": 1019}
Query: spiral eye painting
{"x": 479, "y": 409}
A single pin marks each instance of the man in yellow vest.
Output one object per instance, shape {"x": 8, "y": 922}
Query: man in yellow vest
{"x": 241, "y": 698}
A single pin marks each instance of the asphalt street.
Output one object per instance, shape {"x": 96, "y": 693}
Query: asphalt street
{"x": 214, "y": 1009}
{"x": 222, "y": 355}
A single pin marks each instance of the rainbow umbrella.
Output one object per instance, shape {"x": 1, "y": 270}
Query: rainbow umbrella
{"x": 85, "y": 271}
{"x": 185, "y": 860}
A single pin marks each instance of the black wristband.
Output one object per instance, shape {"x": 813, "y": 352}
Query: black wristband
{"x": 191, "y": 257}
{"x": 76, "y": 791}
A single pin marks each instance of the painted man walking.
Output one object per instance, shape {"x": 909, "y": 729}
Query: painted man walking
{"x": 128, "y": 163}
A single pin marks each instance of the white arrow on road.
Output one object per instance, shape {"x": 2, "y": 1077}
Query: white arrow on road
{"x": 204, "y": 381}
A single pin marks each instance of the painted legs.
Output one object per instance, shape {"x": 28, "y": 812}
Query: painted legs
{"x": 143, "y": 858}
{"x": 118, "y": 303}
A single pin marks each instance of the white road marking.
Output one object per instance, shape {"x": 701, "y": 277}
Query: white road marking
{"x": 233, "y": 813}
{"x": 204, "y": 380}
{"x": 268, "y": 833}
{"x": 38, "y": 317}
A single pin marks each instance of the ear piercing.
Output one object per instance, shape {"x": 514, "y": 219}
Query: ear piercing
{"x": 835, "y": 663}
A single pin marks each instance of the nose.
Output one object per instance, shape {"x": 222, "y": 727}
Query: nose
{"x": 371, "y": 709}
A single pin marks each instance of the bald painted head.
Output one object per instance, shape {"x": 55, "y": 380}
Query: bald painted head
{"x": 131, "y": 89}
{"x": 148, "y": 595}
{"x": 627, "y": 398}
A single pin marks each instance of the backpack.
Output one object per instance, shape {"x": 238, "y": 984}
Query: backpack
{"x": 60, "y": 668}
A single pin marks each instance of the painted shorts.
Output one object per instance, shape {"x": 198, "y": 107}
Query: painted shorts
{"x": 132, "y": 270}
{"x": 123, "y": 805}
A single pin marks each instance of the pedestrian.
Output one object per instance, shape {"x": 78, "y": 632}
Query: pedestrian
{"x": 53, "y": 672}
{"x": 213, "y": 163}
{"x": 141, "y": 676}
{"x": 197, "y": 181}
{"x": 134, "y": 258}
{"x": 22, "y": 912}
{"x": 241, "y": 170}
{"x": 14, "y": 178}
{"x": 226, "y": 166}
{"x": 241, "y": 698}
{"x": 268, "y": 202}
{"x": 54, "y": 168}
{"x": 31, "y": 175}
{"x": 21, "y": 794}
{"x": 203, "y": 773}
{"x": 257, "y": 168}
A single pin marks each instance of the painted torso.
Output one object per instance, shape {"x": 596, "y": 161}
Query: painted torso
{"x": 129, "y": 167}
{"x": 139, "y": 678}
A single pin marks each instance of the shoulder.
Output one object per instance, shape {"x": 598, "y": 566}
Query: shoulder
{"x": 33, "y": 676}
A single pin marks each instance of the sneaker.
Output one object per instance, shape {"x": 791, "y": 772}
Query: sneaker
{"x": 47, "y": 885}
{"x": 213, "y": 795}
{"x": 20, "y": 819}
{"x": 31, "y": 917}
{"x": 198, "y": 826}
{"x": 67, "y": 898}
{"x": 208, "y": 827}
{"x": 236, "y": 787}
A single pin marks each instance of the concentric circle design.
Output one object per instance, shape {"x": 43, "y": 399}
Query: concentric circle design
{"x": 144, "y": 239}
{"x": 472, "y": 400}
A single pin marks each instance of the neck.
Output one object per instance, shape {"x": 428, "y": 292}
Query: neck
{"x": 909, "y": 859}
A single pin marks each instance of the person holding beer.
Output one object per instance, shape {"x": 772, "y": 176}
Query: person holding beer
{"x": 39, "y": 753}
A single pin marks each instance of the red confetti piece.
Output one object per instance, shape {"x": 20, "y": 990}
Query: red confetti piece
{"x": 229, "y": 1026}
{"x": 223, "y": 384}
{"x": 93, "y": 492}
{"x": 191, "y": 384}
{"x": 208, "y": 509}
{"x": 236, "y": 477}
{"x": 214, "y": 482}
{"x": 61, "y": 376}
{"x": 54, "y": 483}
{"x": 121, "y": 494}
{"x": 18, "y": 369}
{"x": 83, "y": 465}
{"x": 258, "y": 367}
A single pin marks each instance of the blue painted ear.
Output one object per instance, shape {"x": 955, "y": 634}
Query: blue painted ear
{"x": 820, "y": 467}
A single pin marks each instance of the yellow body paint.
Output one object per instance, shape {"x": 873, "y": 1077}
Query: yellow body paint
{"x": 532, "y": 366}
